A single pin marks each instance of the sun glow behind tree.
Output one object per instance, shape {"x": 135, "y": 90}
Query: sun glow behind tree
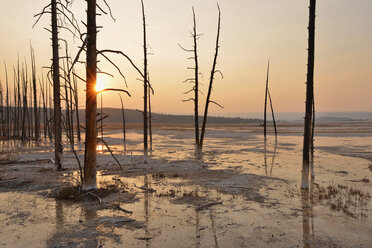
{"x": 100, "y": 85}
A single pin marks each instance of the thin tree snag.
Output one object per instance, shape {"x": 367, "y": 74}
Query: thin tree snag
{"x": 272, "y": 114}
{"x": 90, "y": 160}
{"x": 266, "y": 90}
{"x": 309, "y": 97}
{"x": 312, "y": 142}
{"x": 150, "y": 116}
{"x": 196, "y": 87}
{"x": 211, "y": 79}
{"x": 123, "y": 116}
{"x": 145, "y": 84}
{"x": 56, "y": 89}
{"x": 76, "y": 95}
{"x": 112, "y": 154}
{"x": 36, "y": 114}
{"x": 195, "y": 80}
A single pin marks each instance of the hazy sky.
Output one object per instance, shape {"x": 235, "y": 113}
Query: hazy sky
{"x": 252, "y": 32}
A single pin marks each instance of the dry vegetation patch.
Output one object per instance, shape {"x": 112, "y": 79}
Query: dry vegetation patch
{"x": 350, "y": 200}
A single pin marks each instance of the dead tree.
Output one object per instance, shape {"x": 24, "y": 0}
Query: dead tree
{"x": 59, "y": 11}
{"x": 76, "y": 97}
{"x": 123, "y": 116}
{"x": 312, "y": 141}
{"x": 211, "y": 80}
{"x": 150, "y": 117}
{"x": 90, "y": 160}
{"x": 267, "y": 94}
{"x": 194, "y": 80}
{"x": 266, "y": 91}
{"x": 273, "y": 116}
{"x": 309, "y": 97}
{"x": 7, "y": 104}
{"x": 36, "y": 114}
{"x": 145, "y": 85}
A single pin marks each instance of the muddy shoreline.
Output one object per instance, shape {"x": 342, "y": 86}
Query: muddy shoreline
{"x": 241, "y": 193}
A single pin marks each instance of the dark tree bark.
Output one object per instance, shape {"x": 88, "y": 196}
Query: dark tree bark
{"x": 272, "y": 115}
{"x": 145, "y": 85}
{"x": 56, "y": 89}
{"x": 211, "y": 79}
{"x": 36, "y": 114}
{"x": 7, "y": 103}
{"x": 76, "y": 95}
{"x": 312, "y": 142}
{"x": 90, "y": 159}
{"x": 266, "y": 91}
{"x": 196, "y": 87}
{"x": 123, "y": 116}
{"x": 150, "y": 117}
{"x": 309, "y": 97}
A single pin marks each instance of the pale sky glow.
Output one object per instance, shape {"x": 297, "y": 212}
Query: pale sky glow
{"x": 252, "y": 32}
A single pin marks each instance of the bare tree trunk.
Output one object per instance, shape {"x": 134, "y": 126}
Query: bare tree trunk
{"x": 123, "y": 115}
{"x": 36, "y": 114}
{"x": 101, "y": 116}
{"x": 90, "y": 159}
{"x": 77, "y": 109}
{"x": 196, "y": 87}
{"x": 309, "y": 96}
{"x": 145, "y": 85}
{"x": 71, "y": 111}
{"x": 266, "y": 90}
{"x": 24, "y": 83}
{"x": 19, "y": 102}
{"x": 7, "y": 103}
{"x": 42, "y": 88}
{"x": 56, "y": 90}
{"x": 273, "y": 116}
{"x": 211, "y": 80}
{"x": 150, "y": 118}
{"x": 312, "y": 142}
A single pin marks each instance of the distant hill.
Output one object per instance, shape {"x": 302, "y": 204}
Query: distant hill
{"x": 135, "y": 116}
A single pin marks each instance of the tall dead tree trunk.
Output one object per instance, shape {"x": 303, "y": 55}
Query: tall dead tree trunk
{"x": 123, "y": 116}
{"x": 36, "y": 114}
{"x": 76, "y": 95}
{"x": 266, "y": 90}
{"x": 145, "y": 85}
{"x": 90, "y": 160}
{"x": 7, "y": 103}
{"x": 196, "y": 87}
{"x": 309, "y": 97}
{"x": 211, "y": 79}
{"x": 150, "y": 118}
{"x": 56, "y": 89}
{"x": 312, "y": 142}
{"x": 273, "y": 116}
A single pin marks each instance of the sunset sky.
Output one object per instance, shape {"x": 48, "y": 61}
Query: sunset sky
{"x": 253, "y": 31}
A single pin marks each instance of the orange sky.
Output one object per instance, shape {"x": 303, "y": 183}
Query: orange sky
{"x": 252, "y": 31}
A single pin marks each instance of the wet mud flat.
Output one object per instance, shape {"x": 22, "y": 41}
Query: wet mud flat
{"x": 243, "y": 192}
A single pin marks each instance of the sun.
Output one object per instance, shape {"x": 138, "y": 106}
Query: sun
{"x": 100, "y": 85}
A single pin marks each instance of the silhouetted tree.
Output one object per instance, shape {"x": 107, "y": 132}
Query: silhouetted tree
{"x": 90, "y": 159}
{"x": 309, "y": 97}
{"x": 211, "y": 80}
{"x": 194, "y": 80}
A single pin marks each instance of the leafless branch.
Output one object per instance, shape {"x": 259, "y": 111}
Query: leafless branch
{"x": 112, "y": 89}
{"x": 216, "y": 104}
